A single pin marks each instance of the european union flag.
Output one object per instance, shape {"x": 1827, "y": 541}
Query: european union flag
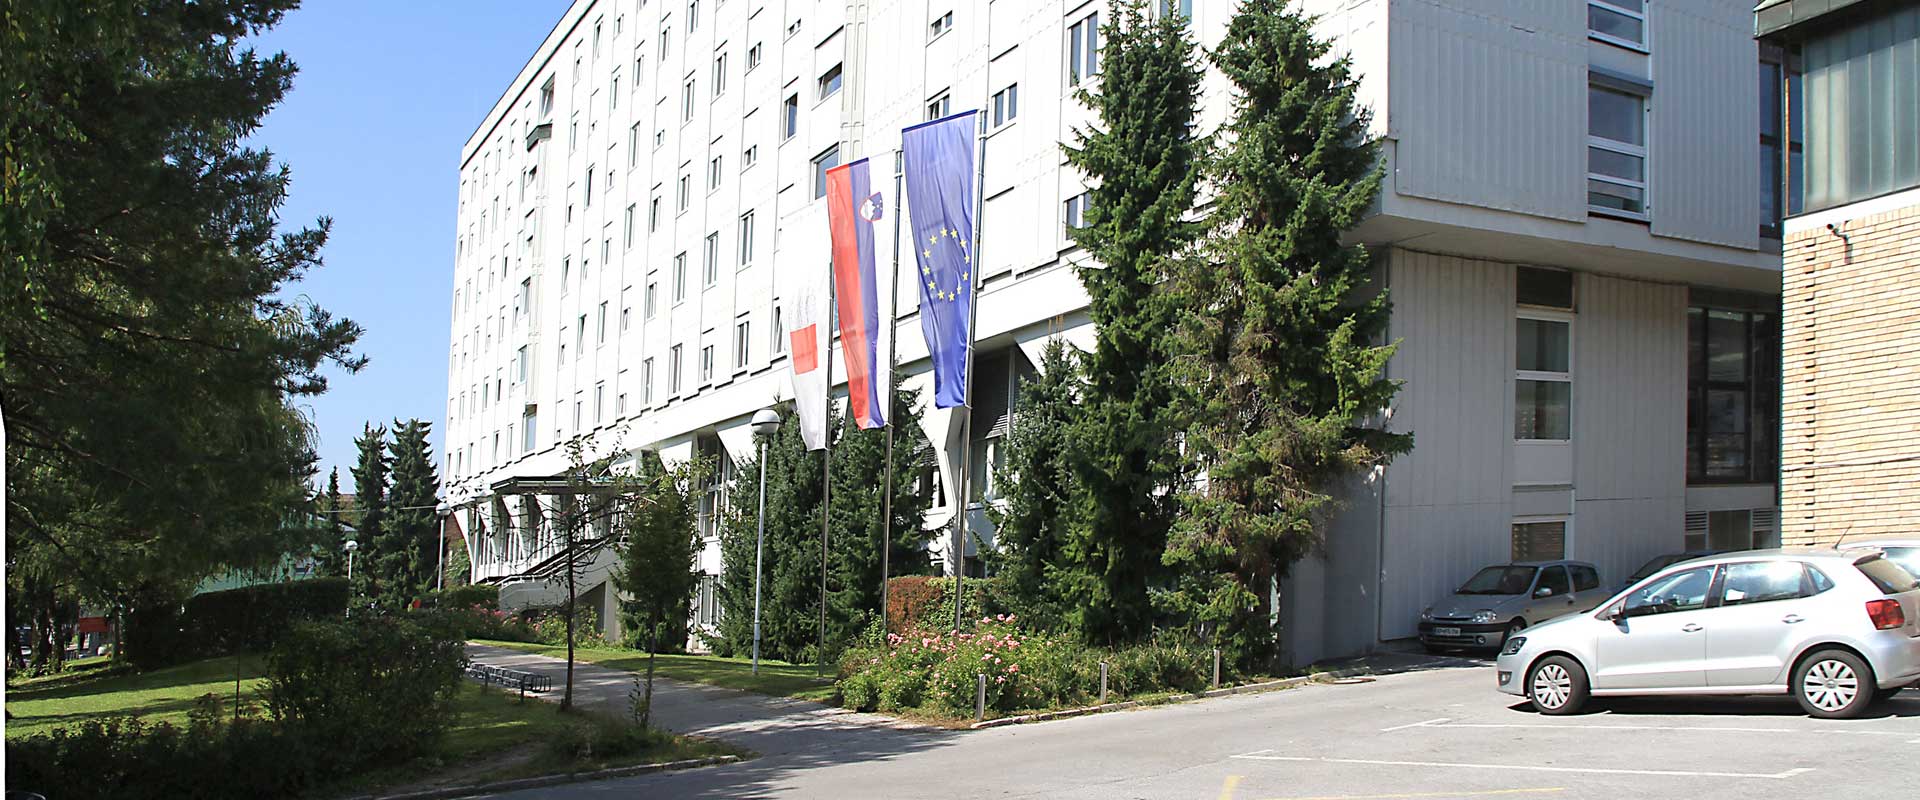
{"x": 938, "y": 161}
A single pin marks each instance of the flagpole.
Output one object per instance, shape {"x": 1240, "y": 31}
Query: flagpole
{"x": 893, "y": 316}
{"x": 826, "y": 482}
{"x": 973, "y": 320}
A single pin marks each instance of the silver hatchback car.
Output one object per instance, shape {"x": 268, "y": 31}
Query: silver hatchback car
{"x": 1502, "y": 600}
{"x": 1836, "y": 629}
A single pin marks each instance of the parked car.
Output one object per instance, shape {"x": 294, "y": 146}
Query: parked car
{"x": 1502, "y": 600}
{"x": 1835, "y": 629}
{"x": 1905, "y": 552}
{"x": 1658, "y": 563}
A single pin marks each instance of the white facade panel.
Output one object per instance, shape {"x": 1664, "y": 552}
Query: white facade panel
{"x": 1705, "y": 64}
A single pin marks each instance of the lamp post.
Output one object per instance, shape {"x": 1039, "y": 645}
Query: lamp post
{"x": 766, "y": 422}
{"x": 350, "y": 547}
{"x": 440, "y": 514}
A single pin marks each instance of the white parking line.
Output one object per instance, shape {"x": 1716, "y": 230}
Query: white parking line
{"x": 1262, "y": 755}
{"x": 1444, "y": 722}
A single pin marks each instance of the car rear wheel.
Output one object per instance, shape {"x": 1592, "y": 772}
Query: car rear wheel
{"x": 1557, "y": 685}
{"x": 1833, "y": 684}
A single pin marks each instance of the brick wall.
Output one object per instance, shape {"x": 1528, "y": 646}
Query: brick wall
{"x": 1850, "y": 410}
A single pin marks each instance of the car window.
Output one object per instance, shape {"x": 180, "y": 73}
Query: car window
{"x": 1685, "y": 590}
{"x": 1500, "y": 580}
{"x": 1888, "y": 576}
{"x": 1819, "y": 579}
{"x": 1555, "y": 579}
{"x": 1764, "y": 581}
{"x": 1585, "y": 578}
{"x": 1907, "y": 557}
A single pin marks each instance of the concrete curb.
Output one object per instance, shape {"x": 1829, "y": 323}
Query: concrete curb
{"x": 450, "y": 792}
{"x": 1251, "y": 688}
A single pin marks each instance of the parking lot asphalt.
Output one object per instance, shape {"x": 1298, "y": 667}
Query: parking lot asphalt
{"x": 1440, "y": 731}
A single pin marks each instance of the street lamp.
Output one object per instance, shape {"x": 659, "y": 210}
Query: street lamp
{"x": 766, "y": 422}
{"x": 350, "y": 547}
{"x": 440, "y": 514}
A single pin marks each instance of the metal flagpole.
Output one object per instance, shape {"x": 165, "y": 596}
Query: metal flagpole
{"x": 973, "y": 319}
{"x": 826, "y": 481}
{"x": 893, "y": 330}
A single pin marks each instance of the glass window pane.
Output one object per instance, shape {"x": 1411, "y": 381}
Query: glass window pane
{"x": 1618, "y": 165}
{"x": 1541, "y": 345}
{"x": 1539, "y": 541}
{"x": 1726, "y": 346}
{"x": 1550, "y": 288}
{"x": 1615, "y": 115}
{"x": 1769, "y": 99}
{"x": 1540, "y": 409}
{"x": 1763, "y": 581}
{"x": 1603, "y": 194}
{"x": 1613, "y": 23}
{"x": 1681, "y": 591}
{"x": 1769, "y": 183}
{"x": 1555, "y": 578}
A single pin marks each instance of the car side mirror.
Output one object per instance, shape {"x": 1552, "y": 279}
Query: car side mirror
{"x": 1617, "y": 614}
{"x": 1544, "y": 591}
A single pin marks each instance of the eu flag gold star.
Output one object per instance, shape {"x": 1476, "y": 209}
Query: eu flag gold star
{"x": 927, "y": 253}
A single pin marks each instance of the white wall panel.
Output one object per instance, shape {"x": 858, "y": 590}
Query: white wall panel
{"x": 1705, "y": 66}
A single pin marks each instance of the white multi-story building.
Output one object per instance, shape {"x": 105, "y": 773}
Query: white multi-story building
{"x": 1585, "y": 276}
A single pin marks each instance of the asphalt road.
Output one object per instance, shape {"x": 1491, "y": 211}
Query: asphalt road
{"x": 1440, "y": 732}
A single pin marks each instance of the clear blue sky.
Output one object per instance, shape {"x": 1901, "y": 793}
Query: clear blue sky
{"x": 386, "y": 95}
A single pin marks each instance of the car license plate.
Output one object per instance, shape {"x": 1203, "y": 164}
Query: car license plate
{"x": 1446, "y": 631}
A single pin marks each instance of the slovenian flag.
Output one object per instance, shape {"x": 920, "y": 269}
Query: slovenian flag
{"x": 938, "y": 161}
{"x": 853, "y": 206}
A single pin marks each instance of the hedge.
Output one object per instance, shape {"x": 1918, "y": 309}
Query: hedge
{"x": 252, "y": 618}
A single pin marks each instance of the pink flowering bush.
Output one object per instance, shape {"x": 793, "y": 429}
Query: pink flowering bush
{"x": 936, "y": 671}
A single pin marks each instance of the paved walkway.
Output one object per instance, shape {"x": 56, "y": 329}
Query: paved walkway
{"x": 771, "y": 726}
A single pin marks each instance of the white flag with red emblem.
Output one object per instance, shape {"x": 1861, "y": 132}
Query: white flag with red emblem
{"x": 805, "y": 300}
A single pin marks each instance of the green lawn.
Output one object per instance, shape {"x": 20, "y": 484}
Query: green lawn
{"x": 98, "y": 690}
{"x": 777, "y": 678}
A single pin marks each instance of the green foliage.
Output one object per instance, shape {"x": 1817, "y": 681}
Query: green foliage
{"x": 477, "y": 595}
{"x": 413, "y": 525}
{"x": 371, "y": 689}
{"x": 1033, "y": 529}
{"x": 791, "y": 577}
{"x": 251, "y": 618}
{"x": 1276, "y": 355}
{"x": 1143, "y": 160}
{"x": 140, "y": 248}
{"x": 379, "y": 565}
{"x": 331, "y": 560}
{"x": 657, "y": 574}
{"x": 128, "y": 759}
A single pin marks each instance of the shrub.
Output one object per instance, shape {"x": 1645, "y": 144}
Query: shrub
{"x": 911, "y": 599}
{"x": 549, "y": 626}
{"x": 477, "y": 595}
{"x": 128, "y": 759}
{"x": 251, "y": 617}
{"x": 366, "y": 690}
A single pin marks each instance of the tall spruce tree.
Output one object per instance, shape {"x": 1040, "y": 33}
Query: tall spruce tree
{"x": 150, "y": 357}
{"x": 1031, "y": 532}
{"x": 859, "y": 465}
{"x": 790, "y": 573}
{"x": 1142, "y": 158}
{"x": 1282, "y": 372}
{"x": 381, "y": 561}
{"x": 332, "y": 560}
{"x": 412, "y": 521}
{"x": 657, "y": 574}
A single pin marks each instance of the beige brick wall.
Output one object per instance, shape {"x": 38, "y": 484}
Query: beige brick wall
{"x": 1850, "y": 410}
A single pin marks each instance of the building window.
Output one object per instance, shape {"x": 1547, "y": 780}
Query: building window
{"x": 940, "y": 106}
{"x": 620, "y": 406}
{"x": 1733, "y": 389}
{"x": 684, "y": 193}
{"x": 1006, "y": 105}
{"x": 1736, "y": 529}
{"x": 939, "y": 25}
{"x": 749, "y": 157}
{"x": 679, "y": 276}
{"x": 626, "y": 318}
{"x": 1540, "y": 540}
{"x": 779, "y": 341}
{"x": 706, "y": 364}
{"x": 653, "y": 215}
{"x": 1076, "y": 216}
{"x": 829, "y": 82}
{"x": 673, "y": 371}
{"x": 793, "y": 28}
{"x": 710, "y": 260}
{"x": 1083, "y": 49}
{"x": 546, "y": 98}
{"x": 1543, "y": 356}
{"x": 626, "y": 241}
{"x": 520, "y": 366}
{"x": 693, "y": 16}
{"x": 600, "y": 325}
{"x": 580, "y": 337}
{"x": 719, "y": 74}
{"x": 529, "y": 427}
{"x": 742, "y": 339}
{"x": 599, "y": 406}
{"x": 646, "y": 382}
{"x": 753, "y": 56}
{"x": 790, "y": 117}
{"x": 687, "y": 103}
{"x": 589, "y": 200}
{"x": 566, "y": 268}
{"x": 1862, "y": 133}
{"x": 1170, "y": 7}
{"x": 653, "y": 293}
{"x": 746, "y": 238}
{"x": 633, "y": 145}
{"x": 1780, "y": 157}
{"x": 713, "y": 174}
{"x": 1616, "y": 151}
{"x": 1621, "y": 22}
{"x": 821, "y": 163}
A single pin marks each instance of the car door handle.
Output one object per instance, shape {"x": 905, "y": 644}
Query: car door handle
{"x": 1692, "y": 627}
{"x": 1792, "y": 618}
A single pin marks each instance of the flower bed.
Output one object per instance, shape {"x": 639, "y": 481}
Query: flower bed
{"x": 935, "y": 672}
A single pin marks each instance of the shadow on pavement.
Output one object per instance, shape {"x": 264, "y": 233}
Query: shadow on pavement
{"x": 1906, "y": 705}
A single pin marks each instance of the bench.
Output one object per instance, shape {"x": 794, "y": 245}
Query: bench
{"x": 516, "y": 679}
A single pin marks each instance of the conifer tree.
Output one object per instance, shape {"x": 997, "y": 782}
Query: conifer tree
{"x": 657, "y": 578}
{"x": 1278, "y": 353}
{"x": 412, "y": 519}
{"x": 1031, "y": 533}
{"x": 859, "y": 465}
{"x": 1142, "y": 161}
{"x": 379, "y": 562}
{"x": 330, "y": 555}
